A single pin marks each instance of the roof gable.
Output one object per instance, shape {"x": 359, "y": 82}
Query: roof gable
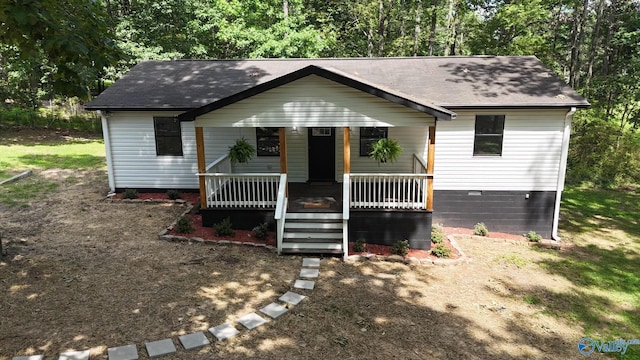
{"x": 329, "y": 74}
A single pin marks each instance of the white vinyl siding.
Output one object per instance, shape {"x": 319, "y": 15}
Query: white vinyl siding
{"x": 313, "y": 102}
{"x": 530, "y": 155}
{"x": 412, "y": 139}
{"x": 218, "y": 140}
{"x": 133, "y": 153}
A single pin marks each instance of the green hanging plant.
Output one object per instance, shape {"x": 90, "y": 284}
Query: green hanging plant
{"x": 385, "y": 150}
{"x": 241, "y": 151}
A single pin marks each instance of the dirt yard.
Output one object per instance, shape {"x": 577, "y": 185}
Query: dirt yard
{"x": 84, "y": 273}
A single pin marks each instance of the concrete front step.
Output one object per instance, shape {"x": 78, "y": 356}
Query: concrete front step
{"x": 313, "y": 216}
{"x": 312, "y": 251}
{"x": 311, "y": 241}
{"x": 312, "y": 235}
{"x": 313, "y": 225}
{"x": 312, "y": 245}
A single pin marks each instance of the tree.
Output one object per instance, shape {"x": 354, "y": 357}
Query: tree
{"x": 71, "y": 36}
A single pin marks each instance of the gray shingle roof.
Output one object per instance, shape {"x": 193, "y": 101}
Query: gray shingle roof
{"x": 447, "y": 82}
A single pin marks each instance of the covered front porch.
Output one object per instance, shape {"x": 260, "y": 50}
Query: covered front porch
{"x": 321, "y": 115}
{"x": 324, "y": 213}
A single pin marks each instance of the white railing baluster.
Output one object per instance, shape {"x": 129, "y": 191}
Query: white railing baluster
{"x": 388, "y": 191}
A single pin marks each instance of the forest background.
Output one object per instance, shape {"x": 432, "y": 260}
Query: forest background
{"x": 56, "y": 54}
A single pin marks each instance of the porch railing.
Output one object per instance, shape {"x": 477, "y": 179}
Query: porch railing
{"x": 419, "y": 166}
{"x": 346, "y": 201}
{"x": 389, "y": 191}
{"x": 225, "y": 189}
{"x": 281, "y": 211}
{"x": 220, "y": 165}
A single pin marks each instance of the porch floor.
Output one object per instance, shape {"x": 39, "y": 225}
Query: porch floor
{"x": 315, "y": 197}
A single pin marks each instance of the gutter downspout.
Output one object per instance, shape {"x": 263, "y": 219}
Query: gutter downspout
{"x": 107, "y": 148}
{"x": 562, "y": 170}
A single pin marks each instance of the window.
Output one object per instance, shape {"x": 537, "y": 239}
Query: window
{"x": 168, "y": 136}
{"x": 369, "y": 135}
{"x": 321, "y": 132}
{"x": 268, "y": 141}
{"x": 489, "y": 133}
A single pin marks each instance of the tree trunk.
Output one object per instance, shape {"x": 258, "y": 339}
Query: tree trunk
{"x": 416, "y": 30}
{"x": 381, "y": 27}
{"x": 432, "y": 27}
{"x": 577, "y": 40}
{"x": 595, "y": 42}
{"x": 581, "y": 36}
{"x": 606, "y": 59}
{"x": 450, "y": 46}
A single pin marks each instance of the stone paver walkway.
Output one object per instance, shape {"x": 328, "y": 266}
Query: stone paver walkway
{"x": 160, "y": 347}
{"x": 221, "y": 332}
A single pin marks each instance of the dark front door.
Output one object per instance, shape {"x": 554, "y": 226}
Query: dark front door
{"x": 322, "y": 154}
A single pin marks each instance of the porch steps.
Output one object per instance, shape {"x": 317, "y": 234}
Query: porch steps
{"x": 312, "y": 233}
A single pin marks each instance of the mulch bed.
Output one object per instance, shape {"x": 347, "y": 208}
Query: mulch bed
{"x": 191, "y": 197}
{"x": 493, "y": 235}
{"x": 208, "y": 233}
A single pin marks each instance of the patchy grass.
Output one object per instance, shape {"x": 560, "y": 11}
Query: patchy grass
{"x": 25, "y": 190}
{"x": 41, "y": 150}
{"x": 71, "y": 155}
{"x": 532, "y": 299}
{"x": 603, "y": 264}
{"x": 514, "y": 259}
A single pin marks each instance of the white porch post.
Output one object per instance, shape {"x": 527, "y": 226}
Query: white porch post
{"x": 282, "y": 134}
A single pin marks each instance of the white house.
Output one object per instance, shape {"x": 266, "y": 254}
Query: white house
{"x": 484, "y": 139}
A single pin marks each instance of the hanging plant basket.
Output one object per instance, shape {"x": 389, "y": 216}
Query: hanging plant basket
{"x": 241, "y": 151}
{"x": 385, "y": 150}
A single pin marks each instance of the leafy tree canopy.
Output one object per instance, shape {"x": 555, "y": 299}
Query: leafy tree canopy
{"x": 70, "y": 36}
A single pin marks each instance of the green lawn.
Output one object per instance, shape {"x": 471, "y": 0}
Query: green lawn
{"x": 35, "y": 155}
{"x": 604, "y": 264}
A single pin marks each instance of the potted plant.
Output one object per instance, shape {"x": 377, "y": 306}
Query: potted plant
{"x": 385, "y": 150}
{"x": 241, "y": 151}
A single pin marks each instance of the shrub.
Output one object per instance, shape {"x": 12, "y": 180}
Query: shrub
{"x": 441, "y": 251}
{"x": 261, "y": 231}
{"x": 224, "y": 228}
{"x": 533, "y": 236}
{"x": 196, "y": 208}
{"x": 480, "y": 229}
{"x": 173, "y": 194}
{"x": 130, "y": 194}
{"x": 400, "y": 248}
{"x": 437, "y": 234}
{"x": 183, "y": 225}
{"x": 360, "y": 246}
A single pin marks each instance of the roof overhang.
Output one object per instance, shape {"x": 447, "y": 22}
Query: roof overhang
{"x": 329, "y": 74}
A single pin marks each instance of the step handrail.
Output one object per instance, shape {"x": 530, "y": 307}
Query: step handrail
{"x": 346, "y": 204}
{"x": 281, "y": 211}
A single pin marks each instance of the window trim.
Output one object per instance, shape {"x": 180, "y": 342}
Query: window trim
{"x": 275, "y": 134}
{"x": 487, "y": 136}
{"x": 158, "y": 136}
{"x": 385, "y": 129}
